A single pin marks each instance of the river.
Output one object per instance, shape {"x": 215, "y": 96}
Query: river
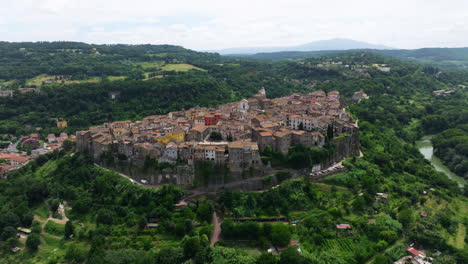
{"x": 424, "y": 146}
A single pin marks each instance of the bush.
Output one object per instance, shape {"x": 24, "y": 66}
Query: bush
{"x": 69, "y": 230}
{"x": 280, "y": 235}
{"x": 33, "y": 242}
{"x": 105, "y": 216}
{"x": 75, "y": 254}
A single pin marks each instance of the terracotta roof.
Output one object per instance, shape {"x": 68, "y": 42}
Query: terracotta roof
{"x": 416, "y": 252}
{"x": 269, "y": 125}
{"x": 199, "y": 128}
{"x": 5, "y": 167}
{"x": 281, "y": 133}
{"x": 298, "y": 132}
{"x": 14, "y": 157}
{"x": 343, "y": 226}
{"x": 266, "y": 134}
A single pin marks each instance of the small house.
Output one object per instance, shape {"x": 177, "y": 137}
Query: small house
{"x": 24, "y": 231}
{"x": 15, "y": 249}
{"x": 343, "y": 227}
{"x": 152, "y": 226}
{"x": 381, "y": 196}
{"x": 416, "y": 253}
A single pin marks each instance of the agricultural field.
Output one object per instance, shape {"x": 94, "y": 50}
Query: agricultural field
{"x": 116, "y": 78}
{"x": 180, "y": 67}
{"x": 40, "y": 79}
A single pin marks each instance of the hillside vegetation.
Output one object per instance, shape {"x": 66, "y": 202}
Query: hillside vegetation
{"x": 105, "y": 216}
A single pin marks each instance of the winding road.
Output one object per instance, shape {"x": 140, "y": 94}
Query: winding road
{"x": 216, "y": 230}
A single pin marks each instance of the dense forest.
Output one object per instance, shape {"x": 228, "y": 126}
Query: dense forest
{"x": 105, "y": 217}
{"x": 452, "y": 147}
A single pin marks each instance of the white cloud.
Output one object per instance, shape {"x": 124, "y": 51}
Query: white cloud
{"x": 209, "y": 24}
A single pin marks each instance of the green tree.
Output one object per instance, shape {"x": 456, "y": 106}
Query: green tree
{"x": 405, "y": 217}
{"x": 74, "y": 254}
{"x": 191, "y": 246}
{"x": 280, "y": 235}
{"x": 142, "y": 222}
{"x": 216, "y": 136}
{"x": 105, "y": 216}
{"x": 382, "y": 259}
{"x": 204, "y": 212}
{"x": 10, "y": 243}
{"x": 68, "y": 145}
{"x": 169, "y": 255}
{"x": 291, "y": 256}
{"x": 33, "y": 242}
{"x": 8, "y": 232}
{"x": 69, "y": 230}
{"x": 267, "y": 258}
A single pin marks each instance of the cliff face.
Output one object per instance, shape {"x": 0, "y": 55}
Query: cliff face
{"x": 346, "y": 146}
{"x": 213, "y": 176}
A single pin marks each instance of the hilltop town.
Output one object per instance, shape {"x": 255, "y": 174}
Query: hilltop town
{"x": 232, "y": 135}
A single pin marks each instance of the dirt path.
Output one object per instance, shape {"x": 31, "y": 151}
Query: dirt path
{"x": 216, "y": 230}
{"x": 61, "y": 211}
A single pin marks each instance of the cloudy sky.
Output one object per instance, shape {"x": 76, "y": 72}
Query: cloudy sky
{"x": 209, "y": 24}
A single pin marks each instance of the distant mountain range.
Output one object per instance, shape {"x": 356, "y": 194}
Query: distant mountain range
{"x": 444, "y": 57}
{"x": 331, "y": 44}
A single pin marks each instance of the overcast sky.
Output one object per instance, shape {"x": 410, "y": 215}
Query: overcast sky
{"x": 208, "y": 24}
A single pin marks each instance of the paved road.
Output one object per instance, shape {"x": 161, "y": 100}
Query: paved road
{"x": 216, "y": 230}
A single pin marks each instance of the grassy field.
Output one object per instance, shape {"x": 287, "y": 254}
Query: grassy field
{"x": 116, "y": 78}
{"x": 164, "y": 240}
{"x": 6, "y": 83}
{"x": 39, "y": 80}
{"x": 458, "y": 240}
{"x": 180, "y": 67}
{"x": 54, "y": 229}
{"x": 460, "y": 209}
{"x": 47, "y": 168}
{"x": 243, "y": 245}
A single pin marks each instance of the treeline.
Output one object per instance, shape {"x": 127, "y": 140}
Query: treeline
{"x": 26, "y": 60}
{"x": 451, "y": 146}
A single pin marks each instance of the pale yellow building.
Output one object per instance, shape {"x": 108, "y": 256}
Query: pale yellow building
{"x": 62, "y": 124}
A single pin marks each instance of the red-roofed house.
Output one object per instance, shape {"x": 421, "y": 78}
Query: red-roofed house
{"x": 343, "y": 226}
{"x": 415, "y": 252}
{"x": 51, "y": 138}
{"x": 63, "y": 136}
{"x": 15, "y": 159}
{"x": 31, "y": 143}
